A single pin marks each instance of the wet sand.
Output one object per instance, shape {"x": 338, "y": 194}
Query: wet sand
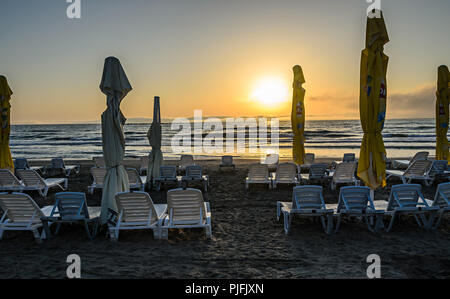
{"x": 248, "y": 241}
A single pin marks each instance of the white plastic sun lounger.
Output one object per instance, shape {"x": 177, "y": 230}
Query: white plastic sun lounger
{"x": 22, "y": 163}
{"x": 258, "y": 174}
{"x": 441, "y": 200}
{"x": 308, "y": 161}
{"x": 58, "y": 164}
{"x": 185, "y": 161}
{"x": 167, "y": 175}
{"x": 418, "y": 170}
{"x": 357, "y": 202}
{"x": 21, "y": 213}
{"x": 99, "y": 162}
{"x": 136, "y": 181}
{"x": 439, "y": 169}
{"x": 34, "y": 182}
{"x": 344, "y": 174}
{"x": 136, "y": 210}
{"x": 9, "y": 182}
{"x": 227, "y": 161}
{"x": 407, "y": 199}
{"x": 194, "y": 173}
{"x": 144, "y": 165}
{"x": 349, "y": 157}
{"x": 317, "y": 173}
{"x": 187, "y": 209}
{"x": 98, "y": 174}
{"x": 405, "y": 163}
{"x": 307, "y": 201}
{"x": 286, "y": 174}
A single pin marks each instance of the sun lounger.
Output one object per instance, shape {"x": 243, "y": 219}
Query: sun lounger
{"x": 344, "y": 174}
{"x": 271, "y": 161}
{"x": 317, "y": 173}
{"x": 439, "y": 169}
{"x": 9, "y": 182}
{"x": 349, "y": 157}
{"x": 21, "y": 213}
{"x": 71, "y": 207}
{"x": 22, "y": 164}
{"x": 418, "y": 170}
{"x": 167, "y": 175}
{"x": 144, "y": 165}
{"x": 286, "y": 174}
{"x": 405, "y": 163}
{"x": 98, "y": 174}
{"x": 136, "y": 181}
{"x": 136, "y": 210}
{"x": 258, "y": 174}
{"x": 194, "y": 173}
{"x": 58, "y": 164}
{"x": 227, "y": 161}
{"x": 185, "y": 161}
{"x": 99, "y": 162}
{"x": 34, "y": 182}
{"x": 307, "y": 201}
{"x": 357, "y": 202}
{"x": 407, "y": 199}
{"x": 187, "y": 209}
{"x": 441, "y": 200}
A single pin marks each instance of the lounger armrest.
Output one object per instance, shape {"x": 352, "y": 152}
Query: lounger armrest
{"x": 207, "y": 207}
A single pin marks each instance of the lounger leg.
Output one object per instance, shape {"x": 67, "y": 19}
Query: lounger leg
{"x": 338, "y": 223}
{"x": 329, "y": 224}
{"x": 57, "y": 228}
{"x": 420, "y": 224}
{"x": 286, "y": 222}
{"x": 391, "y": 223}
{"x": 112, "y": 234}
{"x": 86, "y": 227}
{"x": 37, "y": 236}
{"x": 379, "y": 225}
{"x": 164, "y": 234}
{"x": 433, "y": 227}
{"x": 278, "y": 210}
{"x": 1, "y": 234}
{"x": 156, "y": 233}
{"x": 208, "y": 231}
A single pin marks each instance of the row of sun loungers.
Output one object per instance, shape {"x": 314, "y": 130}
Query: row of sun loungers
{"x": 405, "y": 199}
{"x": 55, "y": 164}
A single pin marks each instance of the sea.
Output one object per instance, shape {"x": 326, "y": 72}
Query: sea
{"x": 324, "y": 138}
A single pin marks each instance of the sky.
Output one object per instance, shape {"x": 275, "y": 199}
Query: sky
{"x": 215, "y": 55}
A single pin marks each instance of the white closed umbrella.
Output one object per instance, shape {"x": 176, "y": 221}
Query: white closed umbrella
{"x": 115, "y": 86}
{"x": 154, "y": 137}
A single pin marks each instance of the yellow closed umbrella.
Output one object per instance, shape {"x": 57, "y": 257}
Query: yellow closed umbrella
{"x": 6, "y": 161}
{"x": 442, "y": 113}
{"x": 372, "y": 102}
{"x": 298, "y": 116}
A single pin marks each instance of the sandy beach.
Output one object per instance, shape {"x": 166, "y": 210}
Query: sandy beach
{"x": 248, "y": 242}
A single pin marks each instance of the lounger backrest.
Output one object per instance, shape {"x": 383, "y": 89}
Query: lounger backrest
{"x": 8, "y": 179}
{"x": 308, "y": 197}
{"x": 272, "y": 159}
{"x": 286, "y": 171}
{"x": 355, "y": 198}
{"x": 418, "y": 168}
{"x": 309, "y": 158}
{"x": 438, "y": 167}
{"x": 345, "y": 172}
{"x": 194, "y": 172}
{"x": 31, "y": 178}
{"x": 20, "y": 207}
{"x": 58, "y": 163}
{"x": 21, "y": 163}
{"x": 135, "y": 206}
{"x": 184, "y": 206}
{"x": 99, "y": 174}
{"x": 133, "y": 176}
{"x": 167, "y": 172}
{"x": 71, "y": 205}
{"x": 419, "y": 156}
{"x": 407, "y": 195}
{"x": 258, "y": 172}
{"x": 349, "y": 157}
{"x": 442, "y": 197}
{"x": 317, "y": 171}
{"x": 227, "y": 160}
{"x": 99, "y": 161}
{"x": 144, "y": 161}
{"x": 186, "y": 160}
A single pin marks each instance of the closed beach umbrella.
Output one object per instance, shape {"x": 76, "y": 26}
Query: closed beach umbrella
{"x": 5, "y": 153}
{"x": 442, "y": 113}
{"x": 374, "y": 63}
{"x": 115, "y": 86}
{"x": 154, "y": 137}
{"x": 298, "y": 116}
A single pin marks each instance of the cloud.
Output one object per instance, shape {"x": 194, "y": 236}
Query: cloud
{"x": 419, "y": 103}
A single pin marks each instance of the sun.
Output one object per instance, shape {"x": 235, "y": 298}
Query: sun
{"x": 270, "y": 91}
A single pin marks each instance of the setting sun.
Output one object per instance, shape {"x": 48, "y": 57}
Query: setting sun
{"x": 270, "y": 91}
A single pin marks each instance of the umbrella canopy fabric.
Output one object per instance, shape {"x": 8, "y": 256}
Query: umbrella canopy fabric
{"x": 298, "y": 116}
{"x": 373, "y": 95}
{"x": 6, "y": 161}
{"x": 442, "y": 113}
{"x": 115, "y": 86}
{"x": 154, "y": 135}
